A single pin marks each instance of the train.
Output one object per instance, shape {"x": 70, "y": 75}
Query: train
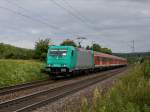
{"x": 64, "y": 60}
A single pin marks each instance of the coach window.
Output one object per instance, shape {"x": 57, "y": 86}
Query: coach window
{"x": 107, "y": 60}
{"x": 97, "y": 59}
{"x": 103, "y": 59}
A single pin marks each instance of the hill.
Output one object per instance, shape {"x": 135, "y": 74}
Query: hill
{"x": 11, "y": 52}
{"x": 134, "y": 57}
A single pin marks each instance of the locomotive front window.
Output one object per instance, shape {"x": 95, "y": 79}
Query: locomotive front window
{"x": 58, "y": 52}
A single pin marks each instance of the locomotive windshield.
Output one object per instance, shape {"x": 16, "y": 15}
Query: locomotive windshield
{"x": 58, "y": 52}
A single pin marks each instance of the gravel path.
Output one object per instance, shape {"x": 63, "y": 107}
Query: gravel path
{"x": 72, "y": 102}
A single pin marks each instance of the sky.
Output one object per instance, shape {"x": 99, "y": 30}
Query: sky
{"x": 110, "y": 23}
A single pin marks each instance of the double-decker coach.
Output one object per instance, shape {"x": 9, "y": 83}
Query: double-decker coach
{"x": 102, "y": 60}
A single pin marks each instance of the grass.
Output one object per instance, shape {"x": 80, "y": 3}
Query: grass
{"x": 14, "y": 72}
{"x": 130, "y": 93}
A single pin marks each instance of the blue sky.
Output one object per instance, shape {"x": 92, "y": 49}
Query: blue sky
{"x": 111, "y": 23}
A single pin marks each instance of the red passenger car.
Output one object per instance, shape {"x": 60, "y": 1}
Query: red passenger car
{"x": 106, "y": 60}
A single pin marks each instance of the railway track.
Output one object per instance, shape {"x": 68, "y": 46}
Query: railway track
{"x": 38, "y": 99}
{"x": 16, "y": 88}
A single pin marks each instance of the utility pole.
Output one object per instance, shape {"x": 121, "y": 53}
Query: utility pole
{"x": 133, "y": 51}
{"x": 133, "y": 46}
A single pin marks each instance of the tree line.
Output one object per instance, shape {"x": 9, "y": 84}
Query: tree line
{"x": 40, "y": 50}
{"x": 42, "y": 45}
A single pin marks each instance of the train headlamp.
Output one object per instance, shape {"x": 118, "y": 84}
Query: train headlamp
{"x": 63, "y": 65}
{"x": 49, "y": 65}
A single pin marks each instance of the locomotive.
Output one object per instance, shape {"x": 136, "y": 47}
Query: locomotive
{"x": 62, "y": 60}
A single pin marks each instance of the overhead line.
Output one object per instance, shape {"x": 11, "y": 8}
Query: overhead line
{"x": 29, "y": 17}
{"x": 26, "y": 16}
{"x": 68, "y": 11}
{"x": 45, "y": 23}
{"x": 73, "y": 9}
{"x": 41, "y": 21}
{"x": 10, "y": 2}
{"x": 78, "y": 13}
{"x": 80, "y": 18}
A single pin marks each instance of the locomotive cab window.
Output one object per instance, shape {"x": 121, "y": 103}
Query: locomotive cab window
{"x": 58, "y": 52}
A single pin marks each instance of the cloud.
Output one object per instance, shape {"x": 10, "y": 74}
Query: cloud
{"x": 34, "y": 31}
{"x": 112, "y": 23}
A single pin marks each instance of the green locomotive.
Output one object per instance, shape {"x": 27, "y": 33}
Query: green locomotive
{"x": 68, "y": 59}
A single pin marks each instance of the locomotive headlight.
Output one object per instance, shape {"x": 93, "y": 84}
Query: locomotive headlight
{"x": 49, "y": 65}
{"x": 63, "y": 65}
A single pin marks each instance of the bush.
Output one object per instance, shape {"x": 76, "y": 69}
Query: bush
{"x": 130, "y": 93}
{"x": 145, "y": 69}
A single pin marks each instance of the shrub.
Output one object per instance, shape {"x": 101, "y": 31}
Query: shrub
{"x": 145, "y": 69}
{"x": 84, "y": 106}
{"x": 130, "y": 93}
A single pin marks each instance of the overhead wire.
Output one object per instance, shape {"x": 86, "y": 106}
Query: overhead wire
{"x": 82, "y": 19}
{"x": 43, "y": 21}
{"x": 26, "y": 16}
{"x": 68, "y": 11}
{"x": 74, "y": 13}
{"x": 74, "y": 10}
{"x": 18, "y": 13}
{"x": 33, "y": 18}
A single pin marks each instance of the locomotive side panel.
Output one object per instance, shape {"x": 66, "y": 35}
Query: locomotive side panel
{"x": 84, "y": 59}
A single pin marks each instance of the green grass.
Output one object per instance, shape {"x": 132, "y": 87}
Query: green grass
{"x": 14, "y": 72}
{"x": 130, "y": 93}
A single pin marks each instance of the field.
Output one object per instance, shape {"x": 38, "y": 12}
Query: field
{"x": 14, "y": 72}
{"x": 130, "y": 93}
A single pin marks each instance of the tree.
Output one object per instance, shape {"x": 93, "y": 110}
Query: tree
{"x": 96, "y": 47}
{"x": 106, "y": 50}
{"x": 41, "y": 48}
{"x": 88, "y": 47}
{"x": 68, "y": 42}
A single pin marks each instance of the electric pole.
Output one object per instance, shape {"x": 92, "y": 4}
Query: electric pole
{"x": 133, "y": 46}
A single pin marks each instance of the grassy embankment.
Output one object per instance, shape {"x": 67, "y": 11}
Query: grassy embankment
{"x": 130, "y": 93}
{"x": 14, "y": 72}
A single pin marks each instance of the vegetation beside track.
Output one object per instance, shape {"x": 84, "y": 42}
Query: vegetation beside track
{"x": 11, "y": 52}
{"x": 130, "y": 93}
{"x": 14, "y": 72}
